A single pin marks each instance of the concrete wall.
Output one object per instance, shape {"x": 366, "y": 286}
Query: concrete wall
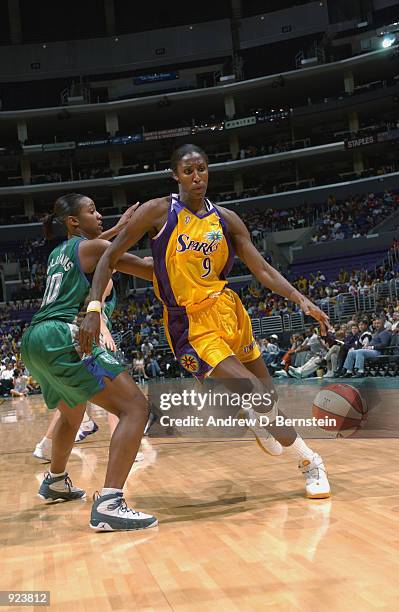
{"x": 303, "y": 20}
{"x": 339, "y": 248}
{"x": 105, "y": 55}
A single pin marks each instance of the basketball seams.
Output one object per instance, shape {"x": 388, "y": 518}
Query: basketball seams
{"x": 342, "y": 403}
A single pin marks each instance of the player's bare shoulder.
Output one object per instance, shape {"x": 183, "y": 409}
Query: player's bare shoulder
{"x": 158, "y": 209}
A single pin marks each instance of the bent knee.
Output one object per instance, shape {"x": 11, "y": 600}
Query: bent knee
{"x": 136, "y": 405}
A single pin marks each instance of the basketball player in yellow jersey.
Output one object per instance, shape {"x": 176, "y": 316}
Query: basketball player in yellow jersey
{"x": 194, "y": 244}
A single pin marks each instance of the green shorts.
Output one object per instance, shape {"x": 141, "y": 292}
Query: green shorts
{"x": 49, "y": 353}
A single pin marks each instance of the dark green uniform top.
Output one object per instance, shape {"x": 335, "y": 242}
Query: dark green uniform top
{"x": 67, "y": 286}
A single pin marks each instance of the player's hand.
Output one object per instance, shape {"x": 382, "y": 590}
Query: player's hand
{"x": 314, "y": 311}
{"x": 128, "y": 214}
{"x": 89, "y": 332}
{"x": 107, "y": 340}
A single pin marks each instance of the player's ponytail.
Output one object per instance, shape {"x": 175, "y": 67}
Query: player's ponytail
{"x": 64, "y": 206}
{"x": 48, "y": 226}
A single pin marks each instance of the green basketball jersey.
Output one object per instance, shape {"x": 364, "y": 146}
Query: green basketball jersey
{"x": 108, "y": 308}
{"x": 67, "y": 286}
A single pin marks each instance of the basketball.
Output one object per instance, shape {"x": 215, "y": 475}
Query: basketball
{"x": 342, "y": 403}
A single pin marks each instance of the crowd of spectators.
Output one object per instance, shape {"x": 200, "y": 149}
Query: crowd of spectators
{"x": 137, "y": 324}
{"x": 359, "y": 211}
{"x": 138, "y": 318}
{"x": 354, "y": 217}
{"x": 342, "y": 353}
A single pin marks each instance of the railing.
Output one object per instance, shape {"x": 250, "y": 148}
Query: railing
{"x": 344, "y": 305}
{"x": 394, "y": 289}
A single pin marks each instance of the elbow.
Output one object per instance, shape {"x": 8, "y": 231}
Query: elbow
{"x": 111, "y": 259}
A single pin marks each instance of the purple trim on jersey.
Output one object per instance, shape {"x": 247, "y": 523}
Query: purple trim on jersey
{"x": 178, "y": 326}
{"x": 158, "y": 248}
{"x": 230, "y": 260}
{"x": 207, "y": 202}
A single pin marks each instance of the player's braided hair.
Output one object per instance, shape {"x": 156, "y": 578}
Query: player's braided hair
{"x": 180, "y": 152}
{"x": 64, "y": 206}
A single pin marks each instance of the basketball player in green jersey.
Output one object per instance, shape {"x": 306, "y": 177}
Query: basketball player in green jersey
{"x": 69, "y": 379}
{"x": 88, "y": 426}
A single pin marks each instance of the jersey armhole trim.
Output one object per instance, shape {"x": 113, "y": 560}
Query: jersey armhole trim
{"x": 78, "y": 242}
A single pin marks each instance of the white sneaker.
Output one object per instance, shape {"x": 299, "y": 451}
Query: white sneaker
{"x": 43, "y": 451}
{"x": 265, "y": 440}
{"x": 294, "y": 372}
{"x": 281, "y": 373}
{"x": 317, "y": 485}
{"x": 86, "y": 429}
{"x": 139, "y": 456}
{"x": 329, "y": 375}
{"x": 111, "y": 513}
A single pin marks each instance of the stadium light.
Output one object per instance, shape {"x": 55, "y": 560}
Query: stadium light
{"x": 388, "y": 41}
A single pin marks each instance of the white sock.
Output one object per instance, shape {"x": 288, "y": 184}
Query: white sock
{"x": 45, "y": 441}
{"x": 109, "y": 490}
{"x": 86, "y": 418}
{"x": 57, "y": 475}
{"x": 302, "y": 449}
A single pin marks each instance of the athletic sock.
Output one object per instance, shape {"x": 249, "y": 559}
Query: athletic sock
{"x": 110, "y": 490}
{"x": 302, "y": 449}
{"x": 53, "y": 475}
{"x": 45, "y": 440}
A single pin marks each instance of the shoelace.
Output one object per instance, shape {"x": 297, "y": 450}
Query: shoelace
{"x": 312, "y": 473}
{"x": 118, "y": 503}
{"x": 121, "y": 505}
{"x": 68, "y": 483}
{"x": 67, "y": 480}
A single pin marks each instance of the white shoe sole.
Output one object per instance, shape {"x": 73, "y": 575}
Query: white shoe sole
{"x": 103, "y": 526}
{"x": 50, "y": 500}
{"x": 325, "y": 495}
{"x": 41, "y": 457}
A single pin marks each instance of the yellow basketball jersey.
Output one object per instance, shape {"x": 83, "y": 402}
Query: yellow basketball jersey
{"x": 192, "y": 255}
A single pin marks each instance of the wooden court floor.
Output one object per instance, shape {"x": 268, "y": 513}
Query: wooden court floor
{"x": 235, "y": 533}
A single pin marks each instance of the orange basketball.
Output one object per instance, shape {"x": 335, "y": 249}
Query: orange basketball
{"x": 344, "y": 405}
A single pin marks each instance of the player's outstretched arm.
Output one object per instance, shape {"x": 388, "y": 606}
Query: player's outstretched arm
{"x": 90, "y": 252}
{"x": 265, "y": 273}
{"x": 115, "y": 258}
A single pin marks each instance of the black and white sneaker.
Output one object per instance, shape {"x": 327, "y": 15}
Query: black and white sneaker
{"x": 59, "y": 488}
{"x": 111, "y": 513}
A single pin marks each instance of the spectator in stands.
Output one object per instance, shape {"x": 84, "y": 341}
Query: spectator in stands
{"x": 20, "y": 388}
{"x": 351, "y": 340}
{"x": 146, "y": 348}
{"x": 152, "y": 365}
{"x": 138, "y": 366}
{"x": 333, "y": 352}
{"x": 7, "y": 378}
{"x": 356, "y": 357}
{"x": 290, "y": 357}
{"x": 317, "y": 349}
{"x": 271, "y": 350}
